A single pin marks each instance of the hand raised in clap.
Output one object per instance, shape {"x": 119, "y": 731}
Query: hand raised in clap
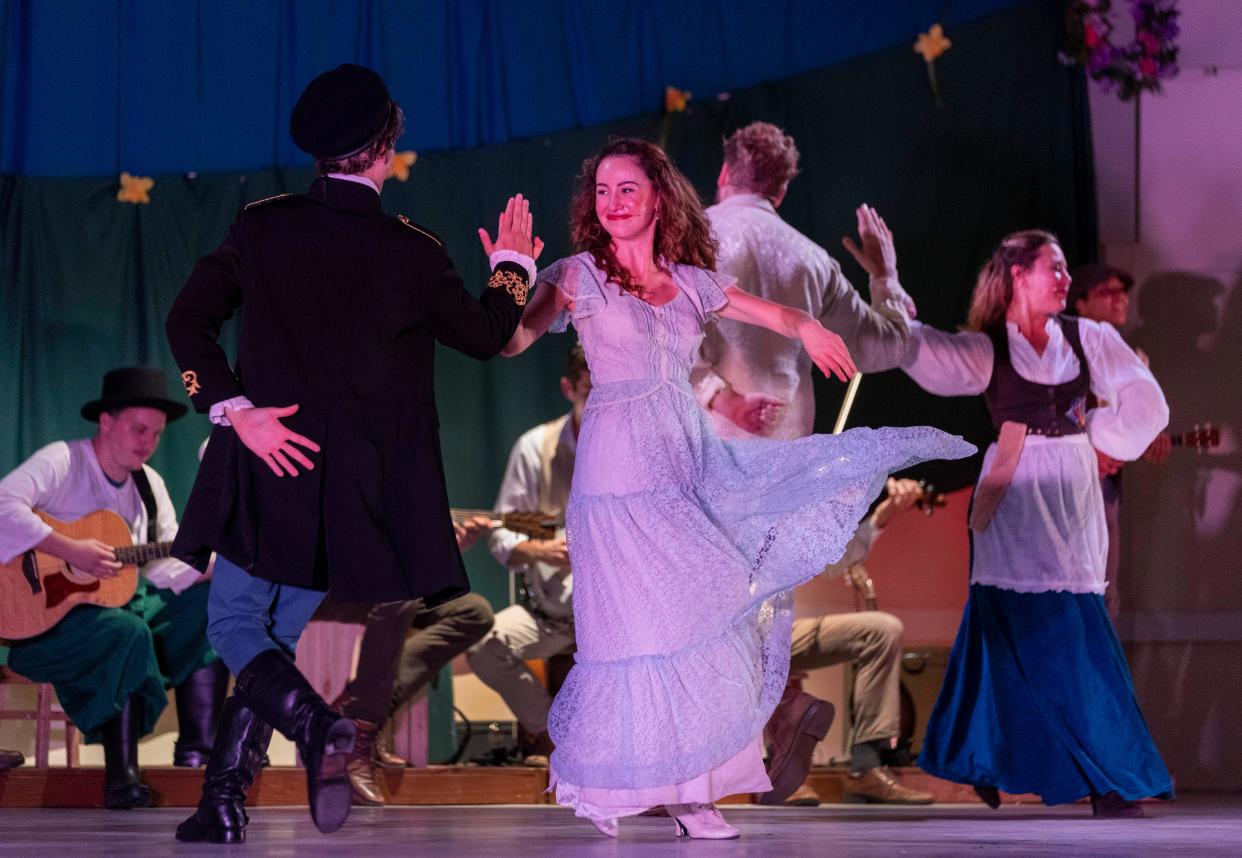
{"x": 513, "y": 231}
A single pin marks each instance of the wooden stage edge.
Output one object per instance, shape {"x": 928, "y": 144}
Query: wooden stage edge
{"x": 434, "y": 785}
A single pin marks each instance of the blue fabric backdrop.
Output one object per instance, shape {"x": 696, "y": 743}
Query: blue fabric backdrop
{"x": 94, "y": 87}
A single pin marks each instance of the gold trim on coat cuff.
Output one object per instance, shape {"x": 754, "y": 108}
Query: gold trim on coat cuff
{"x": 514, "y": 284}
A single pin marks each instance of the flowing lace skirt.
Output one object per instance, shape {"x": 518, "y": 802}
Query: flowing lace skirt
{"x": 685, "y": 550}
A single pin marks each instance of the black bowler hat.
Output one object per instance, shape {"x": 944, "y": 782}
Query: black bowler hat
{"x": 341, "y": 112}
{"x": 132, "y": 386}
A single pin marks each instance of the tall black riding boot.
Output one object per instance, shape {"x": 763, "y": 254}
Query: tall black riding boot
{"x": 123, "y": 786}
{"x": 199, "y": 699}
{"x": 272, "y": 686}
{"x": 236, "y": 756}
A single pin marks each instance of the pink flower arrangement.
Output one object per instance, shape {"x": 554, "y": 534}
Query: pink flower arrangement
{"x": 1129, "y": 69}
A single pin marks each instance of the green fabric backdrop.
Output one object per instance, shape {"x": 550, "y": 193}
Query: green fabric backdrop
{"x": 86, "y": 280}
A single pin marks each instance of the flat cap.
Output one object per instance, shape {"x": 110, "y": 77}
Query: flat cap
{"x": 341, "y": 112}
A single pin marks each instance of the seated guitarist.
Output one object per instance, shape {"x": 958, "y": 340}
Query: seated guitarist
{"x": 541, "y": 624}
{"x": 871, "y": 640}
{"x": 111, "y": 666}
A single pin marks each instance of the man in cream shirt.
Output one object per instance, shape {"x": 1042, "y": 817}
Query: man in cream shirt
{"x": 757, "y": 384}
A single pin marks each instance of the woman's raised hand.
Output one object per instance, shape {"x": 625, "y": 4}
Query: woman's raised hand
{"x": 827, "y": 350}
{"x": 513, "y": 231}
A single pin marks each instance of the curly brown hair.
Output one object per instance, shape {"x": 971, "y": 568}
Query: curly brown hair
{"x": 360, "y": 162}
{"x": 682, "y": 234}
{"x": 762, "y": 159}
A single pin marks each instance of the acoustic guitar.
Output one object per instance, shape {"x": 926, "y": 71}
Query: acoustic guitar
{"x": 37, "y": 589}
{"x": 548, "y": 588}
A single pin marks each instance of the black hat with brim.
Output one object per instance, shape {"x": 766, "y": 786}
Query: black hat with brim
{"x": 1084, "y": 278}
{"x": 341, "y": 112}
{"x": 130, "y": 387}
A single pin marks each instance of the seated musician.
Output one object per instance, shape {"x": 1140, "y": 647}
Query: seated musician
{"x": 111, "y": 666}
{"x": 541, "y": 624}
{"x": 872, "y": 641}
{"x": 404, "y": 646}
{"x": 1101, "y": 293}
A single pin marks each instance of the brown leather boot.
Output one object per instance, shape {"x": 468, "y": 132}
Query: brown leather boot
{"x": 362, "y": 768}
{"x": 799, "y": 723}
{"x": 878, "y": 786}
{"x": 803, "y": 796}
{"x": 384, "y": 753}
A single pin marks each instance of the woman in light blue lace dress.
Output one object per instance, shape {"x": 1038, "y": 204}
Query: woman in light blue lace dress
{"x": 684, "y": 548}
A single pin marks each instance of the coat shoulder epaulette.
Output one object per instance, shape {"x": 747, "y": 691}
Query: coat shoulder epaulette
{"x": 418, "y": 229}
{"x": 266, "y": 200}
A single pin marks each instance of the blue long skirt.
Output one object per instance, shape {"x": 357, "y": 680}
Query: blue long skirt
{"x": 1037, "y": 698}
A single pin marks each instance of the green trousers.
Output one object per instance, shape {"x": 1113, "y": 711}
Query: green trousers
{"x": 97, "y": 657}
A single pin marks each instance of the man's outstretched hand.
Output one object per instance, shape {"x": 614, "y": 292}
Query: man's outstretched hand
{"x": 264, "y": 435}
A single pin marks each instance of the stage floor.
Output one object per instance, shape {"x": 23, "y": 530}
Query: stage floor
{"x": 1191, "y": 826}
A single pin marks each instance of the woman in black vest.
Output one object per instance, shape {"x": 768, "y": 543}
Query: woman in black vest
{"x": 1037, "y": 697}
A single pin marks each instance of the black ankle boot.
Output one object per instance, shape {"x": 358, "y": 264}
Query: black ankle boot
{"x": 989, "y": 795}
{"x": 236, "y": 756}
{"x": 199, "y": 699}
{"x": 1112, "y": 806}
{"x": 123, "y": 786}
{"x": 272, "y": 686}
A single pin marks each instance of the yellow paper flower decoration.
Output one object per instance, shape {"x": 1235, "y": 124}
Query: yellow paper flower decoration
{"x": 932, "y": 43}
{"x": 675, "y": 100}
{"x": 399, "y": 169}
{"x": 134, "y": 189}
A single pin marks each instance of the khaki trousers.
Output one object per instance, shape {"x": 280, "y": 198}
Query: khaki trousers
{"x": 499, "y": 660}
{"x": 872, "y": 641}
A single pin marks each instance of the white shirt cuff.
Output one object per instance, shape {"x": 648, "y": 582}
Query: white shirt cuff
{"x": 889, "y": 298}
{"x": 171, "y": 574}
{"x": 707, "y": 388}
{"x": 217, "y": 416}
{"x": 499, "y": 256}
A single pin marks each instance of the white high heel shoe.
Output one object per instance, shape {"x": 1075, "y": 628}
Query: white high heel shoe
{"x": 607, "y": 827}
{"x": 701, "y": 822}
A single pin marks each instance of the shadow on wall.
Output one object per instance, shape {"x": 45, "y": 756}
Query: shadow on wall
{"x": 1181, "y": 574}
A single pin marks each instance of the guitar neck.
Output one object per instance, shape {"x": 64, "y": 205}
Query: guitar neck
{"x": 462, "y": 515}
{"x": 1202, "y": 437}
{"x": 136, "y": 555}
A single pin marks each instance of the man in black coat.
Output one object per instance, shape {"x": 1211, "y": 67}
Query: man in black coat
{"x": 324, "y": 469}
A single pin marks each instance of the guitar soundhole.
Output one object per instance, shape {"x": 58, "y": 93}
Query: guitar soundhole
{"x": 60, "y": 588}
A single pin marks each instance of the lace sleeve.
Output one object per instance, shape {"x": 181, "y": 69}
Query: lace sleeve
{"x": 576, "y": 280}
{"x": 709, "y": 291}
